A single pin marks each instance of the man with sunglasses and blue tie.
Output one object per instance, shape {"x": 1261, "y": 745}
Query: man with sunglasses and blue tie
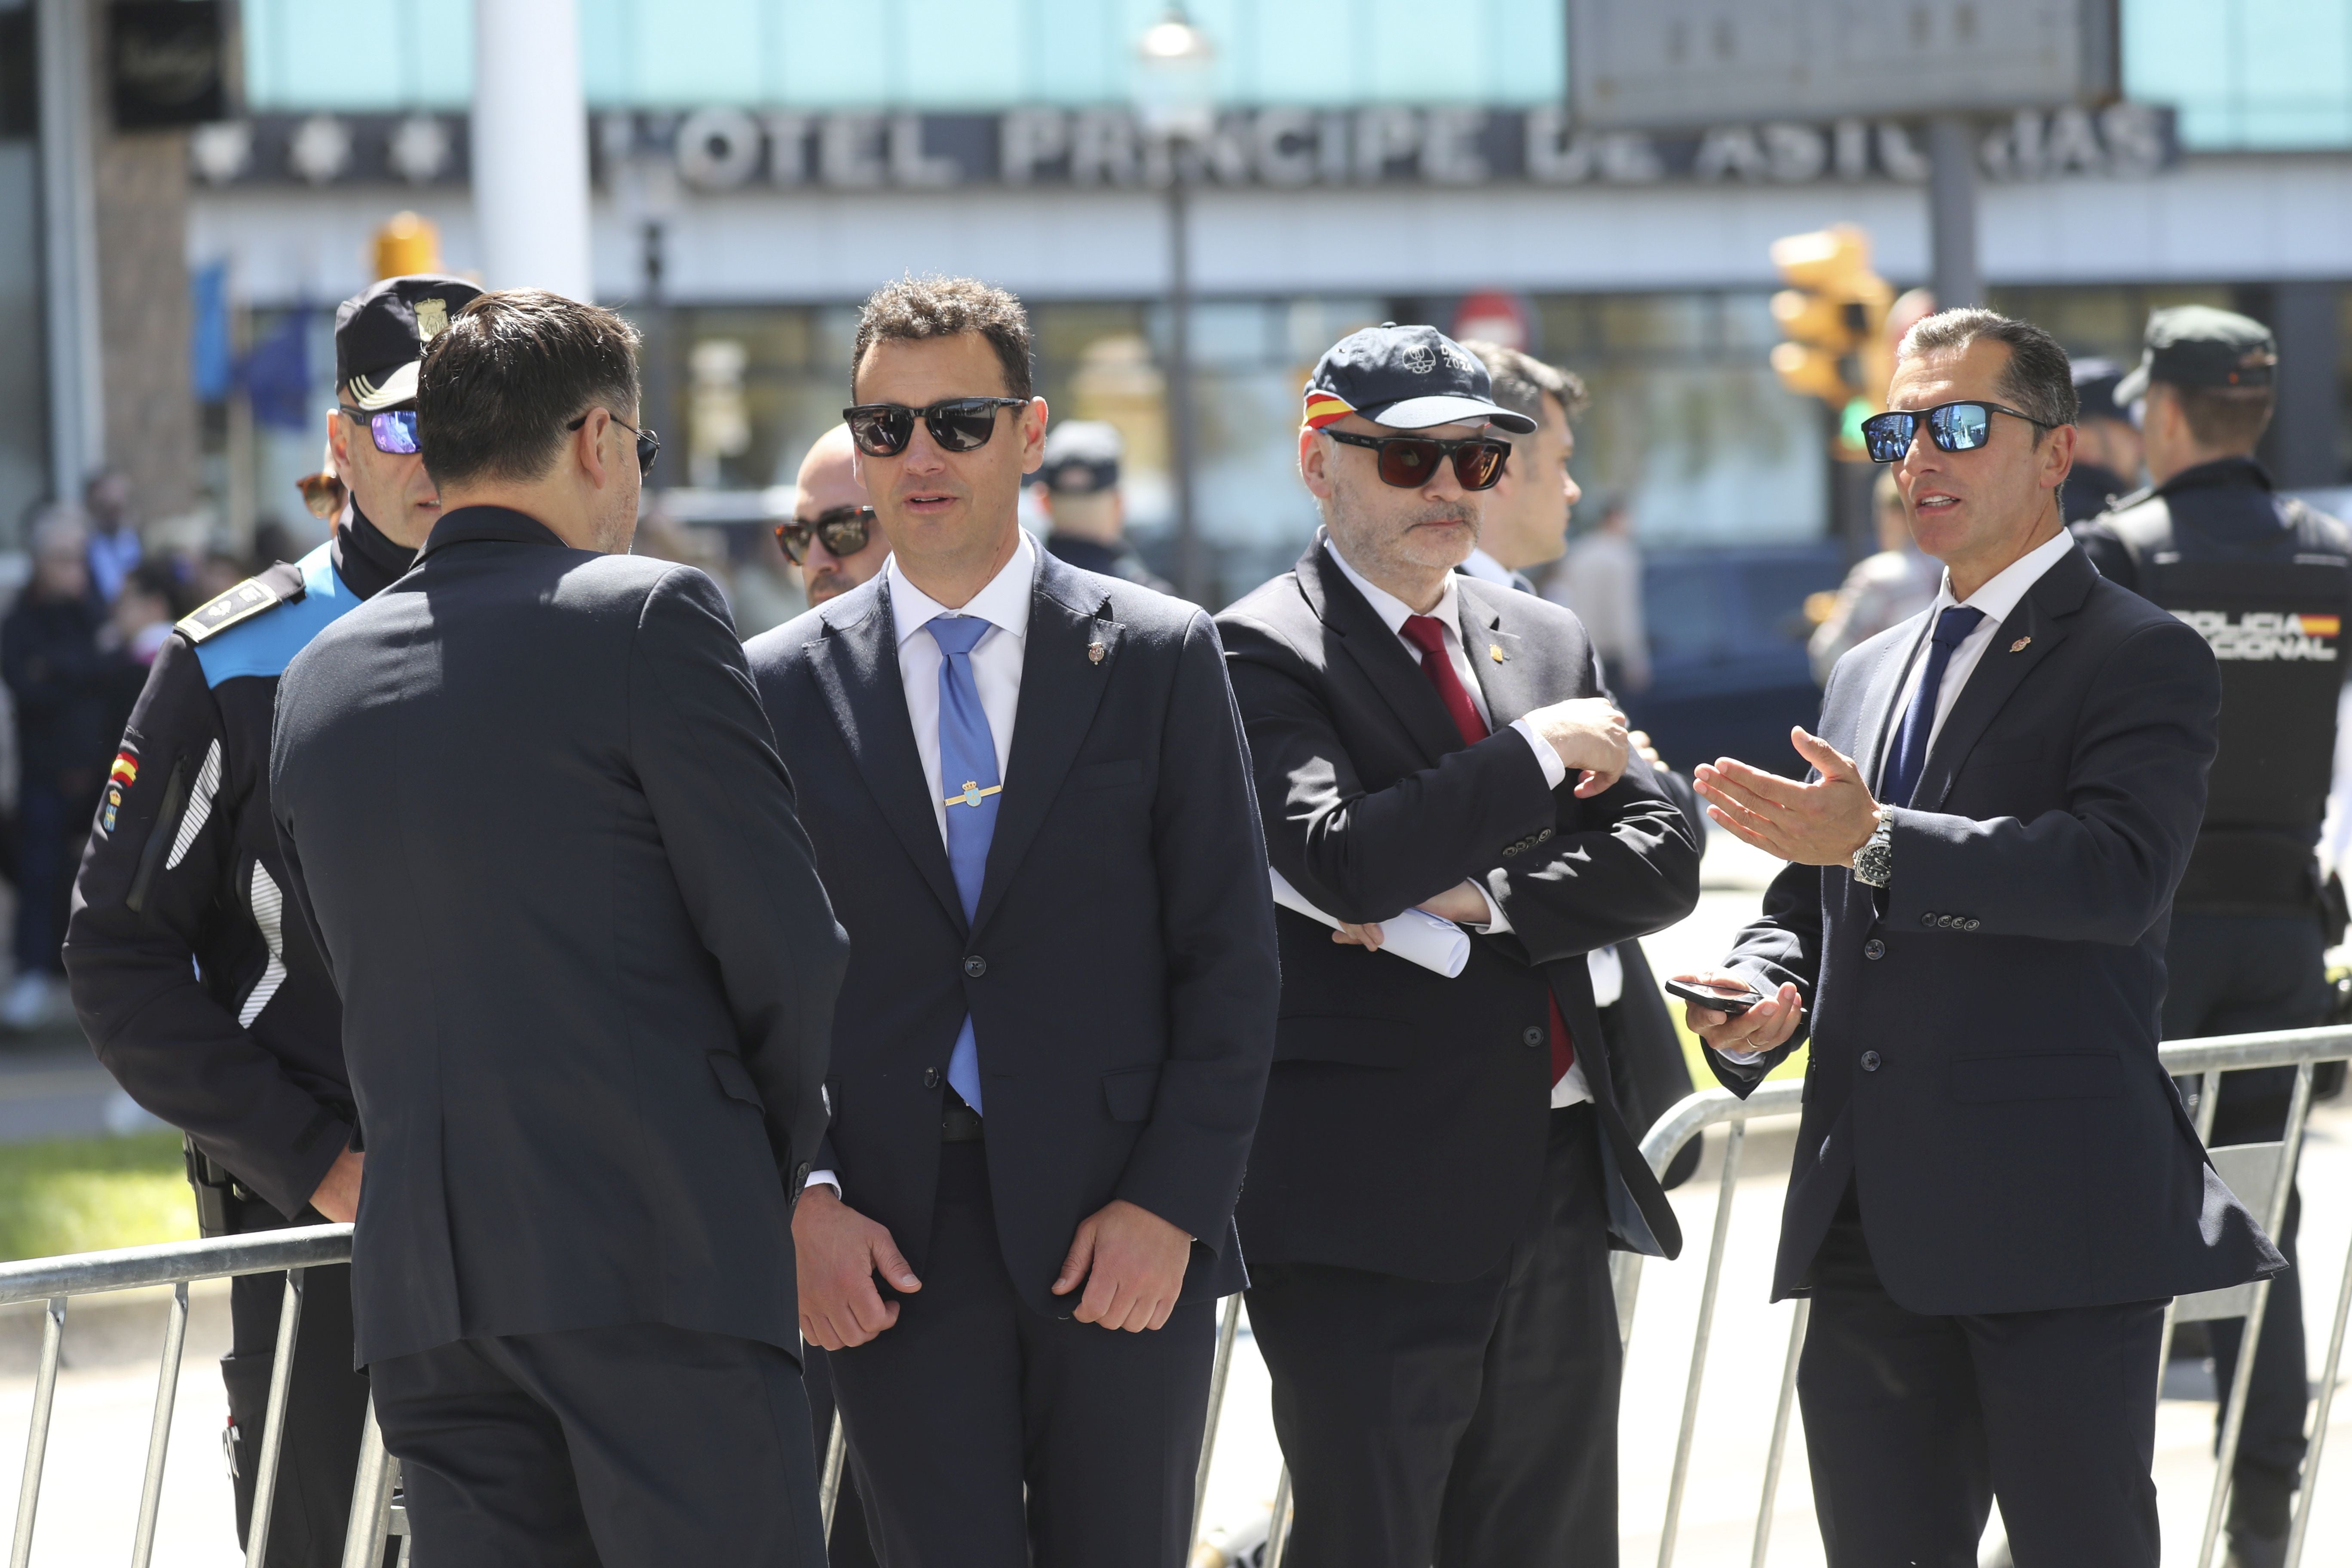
{"x": 202, "y": 994}
{"x": 1031, "y": 799}
{"x": 1996, "y": 1187}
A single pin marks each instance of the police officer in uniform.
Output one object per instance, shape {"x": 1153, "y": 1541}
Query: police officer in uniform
{"x": 198, "y": 985}
{"x": 1077, "y": 488}
{"x": 2107, "y": 445}
{"x": 2266, "y": 579}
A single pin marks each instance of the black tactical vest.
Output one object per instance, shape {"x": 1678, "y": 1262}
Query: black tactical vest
{"x": 2270, "y": 600}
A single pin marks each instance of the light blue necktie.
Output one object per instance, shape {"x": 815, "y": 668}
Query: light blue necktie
{"x": 1909, "y": 758}
{"x": 969, "y": 787}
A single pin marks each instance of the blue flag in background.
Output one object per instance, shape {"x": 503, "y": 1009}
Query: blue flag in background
{"x": 212, "y": 363}
{"x": 277, "y": 374}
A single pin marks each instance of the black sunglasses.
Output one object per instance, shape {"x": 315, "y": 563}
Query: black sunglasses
{"x": 1407, "y": 461}
{"x": 649, "y": 444}
{"x": 1953, "y": 426}
{"x": 957, "y": 424}
{"x": 842, "y": 529}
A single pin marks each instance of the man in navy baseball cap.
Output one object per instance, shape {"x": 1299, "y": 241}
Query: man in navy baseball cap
{"x": 1425, "y": 738}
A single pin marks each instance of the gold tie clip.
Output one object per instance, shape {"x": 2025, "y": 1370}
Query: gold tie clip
{"x": 972, "y": 795}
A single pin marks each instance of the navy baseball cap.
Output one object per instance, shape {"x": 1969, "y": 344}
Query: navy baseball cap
{"x": 380, "y": 333}
{"x": 2095, "y": 390}
{"x": 1081, "y": 457}
{"x": 1408, "y": 378}
{"x": 2199, "y": 346}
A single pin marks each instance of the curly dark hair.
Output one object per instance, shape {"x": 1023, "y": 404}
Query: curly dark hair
{"x": 916, "y": 308}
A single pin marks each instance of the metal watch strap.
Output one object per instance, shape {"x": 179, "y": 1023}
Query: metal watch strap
{"x": 1874, "y": 863}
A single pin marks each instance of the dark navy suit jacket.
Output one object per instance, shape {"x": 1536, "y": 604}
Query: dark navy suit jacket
{"x": 1984, "y": 1029}
{"x": 1120, "y": 974}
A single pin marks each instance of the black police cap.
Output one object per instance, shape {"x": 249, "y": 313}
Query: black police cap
{"x": 381, "y": 330}
{"x": 2200, "y": 347}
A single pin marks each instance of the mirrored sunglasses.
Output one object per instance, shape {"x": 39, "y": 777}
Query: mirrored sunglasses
{"x": 1953, "y": 426}
{"x": 842, "y": 529}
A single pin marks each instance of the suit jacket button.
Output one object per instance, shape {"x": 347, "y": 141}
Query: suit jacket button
{"x": 930, "y": 1078}
{"x": 800, "y": 1175}
{"x": 974, "y": 967}
{"x": 1971, "y": 925}
{"x": 1870, "y": 1061}
{"x": 1928, "y": 919}
{"x": 1873, "y": 948}
{"x": 1509, "y": 850}
{"x": 1547, "y": 833}
{"x": 1531, "y": 1035}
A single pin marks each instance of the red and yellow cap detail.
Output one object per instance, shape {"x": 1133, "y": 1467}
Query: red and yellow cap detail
{"x": 1326, "y": 407}
{"x": 125, "y": 768}
{"x": 2321, "y": 625}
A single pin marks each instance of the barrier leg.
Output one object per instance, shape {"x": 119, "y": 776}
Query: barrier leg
{"x": 36, "y": 1436}
{"x": 1779, "y": 1432}
{"x": 159, "y": 1433}
{"x": 1625, "y": 1282}
{"x": 364, "y": 1538}
{"x": 828, "y": 1485}
{"x": 1277, "y": 1526}
{"x": 2250, "y": 1341}
{"x": 1722, "y": 1195}
{"x": 2320, "y": 1417}
{"x": 273, "y": 1430}
{"x": 1218, "y": 1369}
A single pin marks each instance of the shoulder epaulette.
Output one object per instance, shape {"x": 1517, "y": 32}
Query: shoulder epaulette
{"x": 281, "y": 585}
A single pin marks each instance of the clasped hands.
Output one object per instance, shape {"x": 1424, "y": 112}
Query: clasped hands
{"x": 1130, "y": 1261}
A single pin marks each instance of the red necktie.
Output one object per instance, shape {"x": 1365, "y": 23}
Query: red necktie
{"x": 1427, "y": 634}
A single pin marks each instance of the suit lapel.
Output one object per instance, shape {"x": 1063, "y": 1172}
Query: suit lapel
{"x": 1505, "y": 678}
{"x": 2038, "y": 623}
{"x": 1062, "y": 684}
{"x": 1378, "y": 654}
{"x": 1874, "y": 722}
{"x": 856, "y": 667}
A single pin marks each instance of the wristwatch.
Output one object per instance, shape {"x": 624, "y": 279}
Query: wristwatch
{"x": 1874, "y": 863}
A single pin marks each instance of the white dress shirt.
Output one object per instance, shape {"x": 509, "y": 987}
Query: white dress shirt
{"x": 1996, "y": 598}
{"x": 1393, "y": 612}
{"x": 995, "y": 670}
{"x": 1486, "y": 568}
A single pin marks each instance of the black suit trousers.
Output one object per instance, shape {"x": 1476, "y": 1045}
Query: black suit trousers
{"x": 1469, "y": 1424}
{"x": 986, "y": 1435}
{"x": 1915, "y": 1423}
{"x": 2233, "y": 974}
{"x": 640, "y": 1446}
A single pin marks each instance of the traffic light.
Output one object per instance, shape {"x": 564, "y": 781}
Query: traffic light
{"x": 1834, "y": 313}
{"x": 407, "y": 243}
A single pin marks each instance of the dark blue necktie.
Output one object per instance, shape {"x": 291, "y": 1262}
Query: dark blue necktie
{"x": 970, "y": 790}
{"x": 1908, "y": 760}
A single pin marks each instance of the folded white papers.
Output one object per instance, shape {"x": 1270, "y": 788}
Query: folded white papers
{"x": 1415, "y": 936}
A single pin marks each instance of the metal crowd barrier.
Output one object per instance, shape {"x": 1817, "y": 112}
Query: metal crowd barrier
{"x": 2261, "y": 1173}
{"x": 58, "y": 1280}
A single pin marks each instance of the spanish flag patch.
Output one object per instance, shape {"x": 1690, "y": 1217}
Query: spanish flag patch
{"x": 1326, "y": 407}
{"x": 125, "y": 769}
{"x": 2321, "y": 625}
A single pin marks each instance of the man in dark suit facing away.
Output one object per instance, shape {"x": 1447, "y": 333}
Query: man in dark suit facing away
{"x": 1028, "y": 789}
{"x": 1441, "y": 1169}
{"x": 1996, "y": 1186}
{"x": 532, "y": 811}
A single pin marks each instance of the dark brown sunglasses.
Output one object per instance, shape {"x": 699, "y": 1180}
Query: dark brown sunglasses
{"x": 323, "y": 494}
{"x": 842, "y": 529}
{"x": 1407, "y": 461}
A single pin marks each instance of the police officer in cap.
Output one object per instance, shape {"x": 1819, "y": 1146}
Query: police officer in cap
{"x": 1077, "y": 486}
{"x": 2107, "y": 444}
{"x": 198, "y": 985}
{"x": 2266, "y": 579}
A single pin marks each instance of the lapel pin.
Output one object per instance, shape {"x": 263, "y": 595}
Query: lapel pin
{"x": 2019, "y": 646}
{"x": 1495, "y": 652}
{"x": 1095, "y": 651}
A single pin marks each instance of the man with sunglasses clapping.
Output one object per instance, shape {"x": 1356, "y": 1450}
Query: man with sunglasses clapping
{"x": 1030, "y": 797}
{"x": 1996, "y": 1187}
{"x": 1441, "y": 1169}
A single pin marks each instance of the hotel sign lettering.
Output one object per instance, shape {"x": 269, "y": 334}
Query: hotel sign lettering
{"x": 718, "y": 149}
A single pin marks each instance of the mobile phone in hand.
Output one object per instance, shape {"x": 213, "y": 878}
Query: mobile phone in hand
{"x": 1730, "y": 997}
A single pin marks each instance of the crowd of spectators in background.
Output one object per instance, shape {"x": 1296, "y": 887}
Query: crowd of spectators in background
{"x": 80, "y": 631}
